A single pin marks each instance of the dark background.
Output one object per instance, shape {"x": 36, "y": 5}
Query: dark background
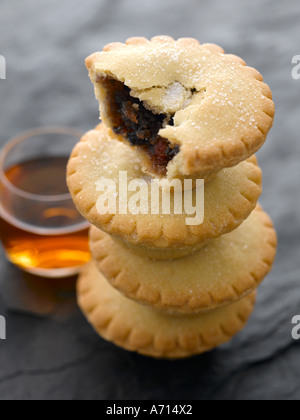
{"x": 51, "y": 352}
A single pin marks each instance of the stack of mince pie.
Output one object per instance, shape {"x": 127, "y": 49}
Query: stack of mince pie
{"x": 174, "y": 110}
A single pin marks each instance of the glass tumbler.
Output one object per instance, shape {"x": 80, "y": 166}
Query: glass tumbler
{"x": 40, "y": 228}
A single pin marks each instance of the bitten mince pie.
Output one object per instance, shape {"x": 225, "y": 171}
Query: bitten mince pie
{"x": 189, "y": 110}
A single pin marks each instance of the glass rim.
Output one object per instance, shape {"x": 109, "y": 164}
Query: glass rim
{"x": 22, "y": 137}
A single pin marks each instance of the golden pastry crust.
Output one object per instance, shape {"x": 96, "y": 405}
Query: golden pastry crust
{"x": 150, "y": 333}
{"x": 230, "y": 197}
{"x": 221, "y": 108}
{"x": 224, "y": 271}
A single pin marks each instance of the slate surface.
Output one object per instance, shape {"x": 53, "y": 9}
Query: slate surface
{"x": 51, "y": 352}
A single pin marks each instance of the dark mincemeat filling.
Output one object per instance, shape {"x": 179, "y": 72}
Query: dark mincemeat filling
{"x": 138, "y": 125}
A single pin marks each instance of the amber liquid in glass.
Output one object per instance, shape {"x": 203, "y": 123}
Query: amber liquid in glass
{"x": 39, "y": 236}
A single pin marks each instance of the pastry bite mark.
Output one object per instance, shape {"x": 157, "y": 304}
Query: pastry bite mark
{"x": 133, "y": 119}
